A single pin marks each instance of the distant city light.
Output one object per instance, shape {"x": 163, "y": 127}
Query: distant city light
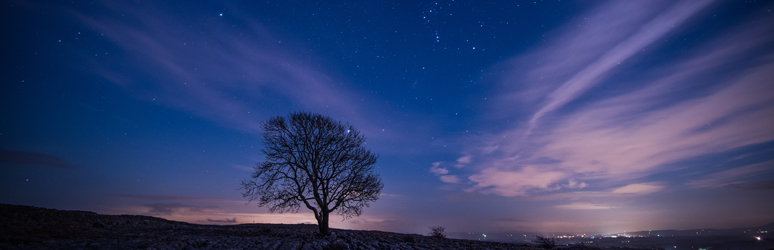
{"x": 758, "y": 237}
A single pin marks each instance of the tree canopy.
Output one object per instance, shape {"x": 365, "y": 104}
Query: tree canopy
{"x": 314, "y": 162}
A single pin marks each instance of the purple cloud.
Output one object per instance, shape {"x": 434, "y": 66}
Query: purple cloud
{"x": 173, "y": 208}
{"x": 223, "y": 220}
{"x": 450, "y": 179}
{"x": 611, "y": 143}
{"x": 624, "y": 46}
{"x": 761, "y": 185}
{"x": 172, "y": 198}
{"x": 582, "y": 206}
{"x": 739, "y": 177}
{"x": 437, "y": 169}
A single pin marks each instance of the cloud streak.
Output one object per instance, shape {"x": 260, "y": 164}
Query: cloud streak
{"x": 173, "y": 198}
{"x": 450, "y": 179}
{"x": 735, "y": 177}
{"x": 175, "y": 208}
{"x": 234, "y": 220}
{"x": 514, "y": 183}
{"x": 644, "y": 35}
{"x": 437, "y": 169}
{"x": 698, "y": 105}
{"x": 639, "y": 188}
{"x": 582, "y": 206}
{"x": 31, "y": 158}
{"x": 236, "y": 76}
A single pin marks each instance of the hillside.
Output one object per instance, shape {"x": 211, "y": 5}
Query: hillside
{"x": 25, "y": 227}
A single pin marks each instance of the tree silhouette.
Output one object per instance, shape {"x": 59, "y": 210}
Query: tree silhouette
{"x": 314, "y": 161}
{"x": 545, "y": 242}
{"x": 438, "y": 232}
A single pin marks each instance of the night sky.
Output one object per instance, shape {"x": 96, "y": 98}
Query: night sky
{"x": 571, "y": 116}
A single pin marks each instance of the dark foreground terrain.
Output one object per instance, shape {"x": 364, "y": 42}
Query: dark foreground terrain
{"x": 25, "y": 227}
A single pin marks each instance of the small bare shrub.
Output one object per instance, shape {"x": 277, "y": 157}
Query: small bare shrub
{"x": 545, "y": 242}
{"x": 438, "y": 232}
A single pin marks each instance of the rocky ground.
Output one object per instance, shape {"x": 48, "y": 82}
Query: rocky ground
{"x": 25, "y": 227}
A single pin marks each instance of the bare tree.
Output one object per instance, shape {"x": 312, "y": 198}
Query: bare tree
{"x": 438, "y": 232}
{"x": 315, "y": 162}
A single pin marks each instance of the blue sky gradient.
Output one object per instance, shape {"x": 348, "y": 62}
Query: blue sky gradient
{"x": 504, "y": 115}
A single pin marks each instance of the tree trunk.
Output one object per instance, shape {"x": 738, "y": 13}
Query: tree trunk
{"x": 322, "y": 223}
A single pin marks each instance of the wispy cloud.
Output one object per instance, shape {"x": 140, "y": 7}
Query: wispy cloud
{"x": 234, "y": 220}
{"x": 694, "y": 106}
{"x": 234, "y": 75}
{"x": 172, "y": 198}
{"x": 31, "y": 158}
{"x": 735, "y": 177}
{"x": 644, "y": 34}
{"x": 437, "y": 169}
{"x": 243, "y": 168}
{"x": 443, "y": 173}
{"x": 463, "y": 161}
{"x": 761, "y": 185}
{"x": 582, "y": 206}
{"x": 174, "y": 208}
{"x": 450, "y": 179}
{"x": 391, "y": 195}
{"x": 639, "y": 188}
{"x": 514, "y": 183}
